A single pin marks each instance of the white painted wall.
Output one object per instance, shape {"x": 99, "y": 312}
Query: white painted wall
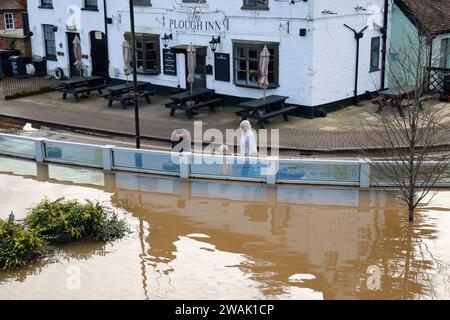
{"x": 59, "y": 16}
{"x": 313, "y": 70}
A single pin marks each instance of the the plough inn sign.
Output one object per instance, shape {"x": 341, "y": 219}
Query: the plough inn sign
{"x": 193, "y": 21}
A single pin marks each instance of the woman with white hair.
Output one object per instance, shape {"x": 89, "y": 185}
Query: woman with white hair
{"x": 248, "y": 140}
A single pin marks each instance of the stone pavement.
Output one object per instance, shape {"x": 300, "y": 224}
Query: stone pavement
{"x": 340, "y": 131}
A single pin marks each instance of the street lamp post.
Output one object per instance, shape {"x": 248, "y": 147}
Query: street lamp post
{"x": 135, "y": 89}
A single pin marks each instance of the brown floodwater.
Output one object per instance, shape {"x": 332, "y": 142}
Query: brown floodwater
{"x": 210, "y": 240}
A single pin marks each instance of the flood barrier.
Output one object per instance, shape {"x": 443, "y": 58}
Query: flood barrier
{"x": 270, "y": 170}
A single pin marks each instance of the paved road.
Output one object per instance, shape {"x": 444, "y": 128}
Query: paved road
{"x": 92, "y": 114}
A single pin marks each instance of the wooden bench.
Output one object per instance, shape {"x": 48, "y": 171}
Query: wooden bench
{"x": 381, "y": 102}
{"x": 263, "y": 109}
{"x": 123, "y": 93}
{"x": 83, "y": 90}
{"x": 189, "y": 108}
{"x": 190, "y": 101}
{"x": 81, "y": 86}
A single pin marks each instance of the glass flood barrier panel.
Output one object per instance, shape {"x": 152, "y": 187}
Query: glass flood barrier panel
{"x": 319, "y": 172}
{"x": 74, "y": 153}
{"x": 17, "y": 146}
{"x": 154, "y": 161}
{"x": 228, "y": 167}
{"x": 388, "y": 175}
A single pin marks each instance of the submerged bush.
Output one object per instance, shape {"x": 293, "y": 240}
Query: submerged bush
{"x": 69, "y": 220}
{"x": 18, "y": 245}
{"x": 59, "y": 221}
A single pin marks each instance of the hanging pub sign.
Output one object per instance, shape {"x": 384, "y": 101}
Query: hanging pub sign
{"x": 169, "y": 62}
{"x": 222, "y": 66}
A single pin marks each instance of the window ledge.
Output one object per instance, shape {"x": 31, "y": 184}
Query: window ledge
{"x": 90, "y": 9}
{"x": 45, "y": 7}
{"x": 374, "y": 70}
{"x": 254, "y": 8}
{"x": 272, "y": 86}
{"x": 149, "y": 73}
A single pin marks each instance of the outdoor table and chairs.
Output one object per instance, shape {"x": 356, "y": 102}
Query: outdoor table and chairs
{"x": 263, "y": 109}
{"x": 81, "y": 86}
{"x": 190, "y": 101}
{"x": 394, "y": 97}
{"x": 122, "y": 93}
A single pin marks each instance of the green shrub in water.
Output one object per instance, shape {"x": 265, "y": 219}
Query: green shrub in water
{"x": 18, "y": 245}
{"x": 69, "y": 220}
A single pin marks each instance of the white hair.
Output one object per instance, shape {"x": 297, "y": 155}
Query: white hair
{"x": 246, "y": 125}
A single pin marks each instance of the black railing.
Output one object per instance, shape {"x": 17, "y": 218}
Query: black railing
{"x": 436, "y": 79}
{"x": 11, "y": 88}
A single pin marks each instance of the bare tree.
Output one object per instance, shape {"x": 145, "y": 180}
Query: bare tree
{"x": 411, "y": 142}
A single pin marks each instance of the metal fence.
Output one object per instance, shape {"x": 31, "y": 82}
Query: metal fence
{"x": 270, "y": 170}
{"x": 12, "y": 88}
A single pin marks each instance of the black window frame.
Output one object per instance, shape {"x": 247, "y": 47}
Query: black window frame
{"x": 375, "y": 67}
{"x": 46, "y": 4}
{"x": 142, "y": 3}
{"x": 274, "y": 47}
{"x": 51, "y": 57}
{"x": 90, "y": 6}
{"x": 445, "y": 54}
{"x": 141, "y": 40}
{"x": 255, "y": 5}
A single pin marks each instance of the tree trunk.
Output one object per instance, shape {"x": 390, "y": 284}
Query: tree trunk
{"x": 411, "y": 214}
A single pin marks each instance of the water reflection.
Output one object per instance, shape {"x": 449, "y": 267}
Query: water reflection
{"x": 216, "y": 240}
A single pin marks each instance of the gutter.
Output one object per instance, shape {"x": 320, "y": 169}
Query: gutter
{"x": 384, "y": 49}
{"x": 105, "y": 19}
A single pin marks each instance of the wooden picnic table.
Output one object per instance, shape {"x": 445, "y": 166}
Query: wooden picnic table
{"x": 263, "y": 109}
{"x": 120, "y": 93}
{"x": 394, "y": 97}
{"x": 189, "y": 101}
{"x": 77, "y": 86}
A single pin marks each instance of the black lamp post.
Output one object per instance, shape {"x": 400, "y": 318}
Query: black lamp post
{"x": 135, "y": 86}
{"x": 214, "y": 43}
{"x": 165, "y": 39}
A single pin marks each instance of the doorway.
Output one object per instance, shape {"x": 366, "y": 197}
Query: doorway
{"x": 99, "y": 54}
{"x": 74, "y": 71}
{"x": 200, "y": 70}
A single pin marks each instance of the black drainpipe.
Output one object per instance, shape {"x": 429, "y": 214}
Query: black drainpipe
{"x": 385, "y": 39}
{"x": 105, "y": 13}
{"x": 358, "y": 36}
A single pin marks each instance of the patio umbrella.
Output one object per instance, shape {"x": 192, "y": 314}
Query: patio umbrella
{"x": 126, "y": 53}
{"x": 264, "y": 61}
{"x": 78, "y": 55}
{"x": 192, "y": 64}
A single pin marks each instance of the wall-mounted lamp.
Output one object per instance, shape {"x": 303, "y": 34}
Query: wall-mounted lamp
{"x": 214, "y": 43}
{"x": 166, "y": 39}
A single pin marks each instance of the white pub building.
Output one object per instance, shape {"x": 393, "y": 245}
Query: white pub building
{"x": 313, "y": 46}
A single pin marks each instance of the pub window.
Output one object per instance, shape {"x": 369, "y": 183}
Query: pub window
{"x": 246, "y": 64}
{"x": 49, "y": 41}
{"x": 375, "y": 54}
{"x": 142, "y": 2}
{"x": 148, "y": 53}
{"x": 445, "y": 53}
{"x": 90, "y": 4}
{"x": 46, "y": 4}
{"x": 256, "y": 4}
{"x": 9, "y": 21}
